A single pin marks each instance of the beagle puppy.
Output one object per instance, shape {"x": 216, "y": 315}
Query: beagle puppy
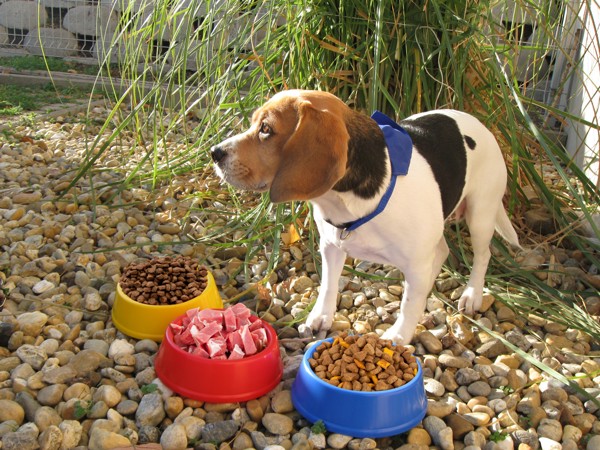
{"x": 373, "y": 202}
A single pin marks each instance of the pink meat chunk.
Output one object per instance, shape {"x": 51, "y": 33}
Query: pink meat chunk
{"x": 203, "y": 336}
{"x": 233, "y": 339}
{"x": 230, "y": 320}
{"x": 236, "y": 353}
{"x": 216, "y": 347}
{"x": 232, "y": 333}
{"x": 249, "y": 345}
{"x": 210, "y": 315}
{"x": 200, "y": 351}
{"x": 260, "y": 338}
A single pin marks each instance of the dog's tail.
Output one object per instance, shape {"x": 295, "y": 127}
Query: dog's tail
{"x": 505, "y": 228}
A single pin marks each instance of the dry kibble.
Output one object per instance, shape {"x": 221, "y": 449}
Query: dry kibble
{"x": 363, "y": 363}
{"x": 164, "y": 281}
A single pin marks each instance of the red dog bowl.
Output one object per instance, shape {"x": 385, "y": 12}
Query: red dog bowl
{"x": 219, "y": 381}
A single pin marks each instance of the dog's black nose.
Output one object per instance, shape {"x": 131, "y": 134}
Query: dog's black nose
{"x": 217, "y": 153}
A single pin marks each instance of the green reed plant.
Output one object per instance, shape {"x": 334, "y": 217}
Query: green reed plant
{"x": 203, "y": 66}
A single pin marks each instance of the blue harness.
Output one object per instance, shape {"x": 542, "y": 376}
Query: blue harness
{"x": 399, "y": 145}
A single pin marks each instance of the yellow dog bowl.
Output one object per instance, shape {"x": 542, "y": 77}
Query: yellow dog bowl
{"x": 143, "y": 321}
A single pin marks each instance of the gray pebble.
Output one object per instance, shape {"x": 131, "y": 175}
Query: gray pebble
{"x": 434, "y": 387}
{"x": 32, "y": 355}
{"x": 51, "y": 438}
{"x": 146, "y": 345}
{"x": 19, "y": 440}
{"x": 29, "y": 404}
{"x": 433, "y": 425}
{"x": 174, "y": 437}
{"x": 51, "y": 395}
{"x": 127, "y": 407}
{"x": 549, "y": 444}
{"x": 277, "y": 423}
{"x": 593, "y": 443}
{"x": 336, "y": 440}
{"x": 148, "y": 434}
{"x": 467, "y": 376}
{"x": 282, "y": 402}
{"x": 71, "y": 431}
{"x": 551, "y": 429}
{"x": 97, "y": 345}
{"x": 219, "y": 431}
{"x": 150, "y": 410}
{"x": 452, "y": 361}
{"x": 479, "y": 389}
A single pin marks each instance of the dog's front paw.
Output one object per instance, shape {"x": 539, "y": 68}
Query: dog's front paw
{"x": 315, "y": 326}
{"x": 395, "y": 335}
{"x": 470, "y": 301}
{"x": 319, "y": 320}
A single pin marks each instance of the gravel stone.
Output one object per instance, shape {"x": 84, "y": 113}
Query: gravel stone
{"x": 51, "y": 438}
{"x": 20, "y": 440}
{"x": 277, "y": 423}
{"x": 11, "y": 410}
{"x": 97, "y": 345}
{"x": 282, "y": 402}
{"x": 434, "y": 387}
{"x": 439, "y": 408}
{"x": 61, "y": 356}
{"x": 452, "y": 361}
{"x": 219, "y": 431}
{"x": 193, "y": 426}
{"x": 551, "y": 429}
{"x": 71, "y": 431}
{"x": 336, "y": 440}
{"x": 479, "y": 388}
{"x": 32, "y": 355}
{"x": 150, "y": 410}
{"x": 51, "y": 395}
{"x": 103, "y": 440}
{"x": 174, "y": 437}
{"x": 108, "y": 394}
{"x": 467, "y": 376}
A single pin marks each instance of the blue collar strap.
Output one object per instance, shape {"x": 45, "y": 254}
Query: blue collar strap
{"x": 399, "y": 145}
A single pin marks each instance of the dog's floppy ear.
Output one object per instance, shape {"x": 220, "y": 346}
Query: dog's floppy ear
{"x": 314, "y": 157}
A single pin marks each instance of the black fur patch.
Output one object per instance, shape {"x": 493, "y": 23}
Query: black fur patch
{"x": 438, "y": 138}
{"x": 470, "y": 142}
{"x": 366, "y": 157}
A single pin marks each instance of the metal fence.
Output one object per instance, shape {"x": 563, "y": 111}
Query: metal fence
{"x": 550, "y": 47}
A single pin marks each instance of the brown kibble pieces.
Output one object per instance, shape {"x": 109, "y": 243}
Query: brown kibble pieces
{"x": 382, "y": 386}
{"x": 363, "y": 363}
{"x": 164, "y": 281}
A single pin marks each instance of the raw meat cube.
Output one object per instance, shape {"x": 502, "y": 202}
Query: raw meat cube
{"x": 234, "y": 339}
{"x": 210, "y": 315}
{"x": 230, "y": 320}
{"x": 200, "y": 351}
{"x": 236, "y": 353}
{"x": 211, "y": 329}
{"x": 216, "y": 347}
{"x": 249, "y": 345}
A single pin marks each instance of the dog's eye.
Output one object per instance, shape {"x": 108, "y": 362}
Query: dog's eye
{"x": 265, "y": 129}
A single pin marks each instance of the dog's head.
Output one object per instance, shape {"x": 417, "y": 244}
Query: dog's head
{"x": 296, "y": 147}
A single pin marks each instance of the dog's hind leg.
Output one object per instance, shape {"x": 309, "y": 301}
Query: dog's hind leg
{"x": 481, "y": 223}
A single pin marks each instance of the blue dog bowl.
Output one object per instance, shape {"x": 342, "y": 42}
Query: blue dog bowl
{"x": 356, "y": 413}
